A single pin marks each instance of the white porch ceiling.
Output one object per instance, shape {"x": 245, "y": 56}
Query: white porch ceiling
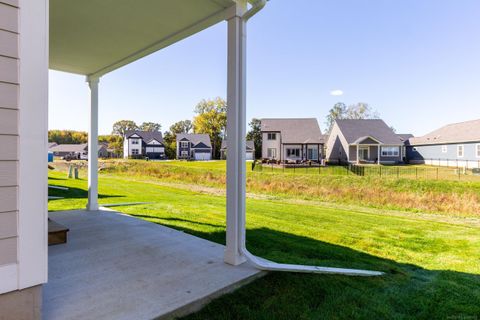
{"x": 94, "y": 37}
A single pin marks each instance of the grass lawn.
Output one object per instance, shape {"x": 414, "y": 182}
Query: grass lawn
{"x": 432, "y": 262}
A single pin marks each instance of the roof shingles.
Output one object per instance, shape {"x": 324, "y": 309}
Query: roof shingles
{"x": 468, "y": 131}
{"x": 355, "y": 129}
{"x": 295, "y": 130}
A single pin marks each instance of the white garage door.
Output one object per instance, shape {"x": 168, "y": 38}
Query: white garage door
{"x": 202, "y": 156}
{"x": 249, "y": 156}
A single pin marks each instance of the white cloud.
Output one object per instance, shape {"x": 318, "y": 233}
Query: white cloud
{"x": 336, "y": 93}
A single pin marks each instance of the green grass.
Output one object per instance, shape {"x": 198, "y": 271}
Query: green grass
{"x": 431, "y": 262}
{"x": 445, "y": 197}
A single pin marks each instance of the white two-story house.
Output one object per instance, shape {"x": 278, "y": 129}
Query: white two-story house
{"x": 292, "y": 139}
{"x": 139, "y": 144}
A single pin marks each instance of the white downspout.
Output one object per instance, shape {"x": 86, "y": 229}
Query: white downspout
{"x": 260, "y": 263}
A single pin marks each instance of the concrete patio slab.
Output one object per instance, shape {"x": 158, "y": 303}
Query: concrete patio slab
{"x": 118, "y": 267}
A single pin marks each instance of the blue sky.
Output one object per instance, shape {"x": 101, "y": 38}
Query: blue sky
{"x": 414, "y": 61}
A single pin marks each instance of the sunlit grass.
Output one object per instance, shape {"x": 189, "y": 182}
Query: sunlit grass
{"x": 432, "y": 267}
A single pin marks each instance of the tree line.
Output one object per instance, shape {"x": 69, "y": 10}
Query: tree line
{"x": 210, "y": 118}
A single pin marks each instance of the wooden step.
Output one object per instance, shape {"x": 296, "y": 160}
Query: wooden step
{"x": 57, "y": 233}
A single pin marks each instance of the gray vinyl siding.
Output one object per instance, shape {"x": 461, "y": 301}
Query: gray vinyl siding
{"x": 8, "y": 130}
{"x": 180, "y": 149}
{"x": 434, "y": 152}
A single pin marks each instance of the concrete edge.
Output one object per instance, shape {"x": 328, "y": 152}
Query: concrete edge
{"x": 198, "y": 304}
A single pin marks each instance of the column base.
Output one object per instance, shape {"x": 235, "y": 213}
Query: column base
{"x": 93, "y": 207}
{"x": 233, "y": 258}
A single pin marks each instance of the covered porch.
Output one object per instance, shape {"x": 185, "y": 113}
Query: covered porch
{"x": 118, "y": 264}
{"x": 365, "y": 150}
{"x": 118, "y": 267}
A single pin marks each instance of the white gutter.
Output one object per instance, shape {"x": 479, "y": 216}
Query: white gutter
{"x": 257, "y": 5}
{"x": 267, "y": 265}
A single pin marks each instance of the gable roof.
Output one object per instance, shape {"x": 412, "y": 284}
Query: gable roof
{"x": 74, "y": 148}
{"x": 404, "y": 136}
{"x": 468, "y": 131}
{"x": 295, "y": 130}
{"x": 195, "y": 138}
{"x": 146, "y": 136}
{"x": 249, "y": 144}
{"x": 355, "y": 129}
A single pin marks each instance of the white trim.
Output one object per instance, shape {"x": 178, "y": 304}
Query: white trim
{"x": 390, "y": 156}
{"x": 8, "y": 276}
{"x": 92, "y": 203}
{"x": 360, "y": 147}
{"x": 365, "y": 138}
{"x": 33, "y": 127}
{"x": 236, "y": 131}
{"x": 477, "y": 150}
{"x": 273, "y": 154}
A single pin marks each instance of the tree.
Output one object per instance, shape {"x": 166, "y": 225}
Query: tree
{"x": 255, "y": 134}
{"x": 338, "y": 111}
{"x": 170, "y": 143}
{"x": 122, "y": 126}
{"x": 67, "y": 136}
{"x": 211, "y": 119}
{"x": 183, "y": 126}
{"x": 354, "y": 111}
{"x": 361, "y": 111}
{"x": 114, "y": 142}
{"x": 150, "y": 126}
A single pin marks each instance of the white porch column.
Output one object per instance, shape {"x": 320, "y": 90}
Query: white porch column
{"x": 93, "y": 146}
{"x": 378, "y": 150}
{"x": 358, "y": 155}
{"x": 236, "y": 130}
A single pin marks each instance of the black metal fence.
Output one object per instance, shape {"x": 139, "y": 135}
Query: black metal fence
{"x": 382, "y": 171}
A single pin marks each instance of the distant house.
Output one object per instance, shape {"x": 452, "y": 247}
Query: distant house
{"x": 364, "y": 141}
{"x": 292, "y": 139}
{"x": 76, "y": 151}
{"x": 143, "y": 144}
{"x": 456, "y": 144}
{"x": 250, "y": 150}
{"x": 194, "y": 146}
{"x": 52, "y": 144}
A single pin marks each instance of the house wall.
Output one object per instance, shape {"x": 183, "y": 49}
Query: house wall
{"x": 132, "y": 146}
{"x": 23, "y": 156}
{"x": 292, "y": 146}
{"x": 180, "y": 149}
{"x": 337, "y": 146}
{"x": 266, "y": 144}
{"x": 373, "y": 155}
{"x": 432, "y": 154}
{"x": 9, "y": 140}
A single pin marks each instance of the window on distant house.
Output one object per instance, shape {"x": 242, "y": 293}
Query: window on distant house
{"x": 478, "y": 150}
{"x": 135, "y": 152}
{"x": 271, "y": 152}
{"x": 184, "y": 154}
{"x": 390, "y": 152}
{"x": 271, "y": 136}
{"x": 293, "y": 152}
{"x": 184, "y": 144}
{"x": 444, "y": 149}
{"x": 460, "y": 151}
{"x": 135, "y": 141}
